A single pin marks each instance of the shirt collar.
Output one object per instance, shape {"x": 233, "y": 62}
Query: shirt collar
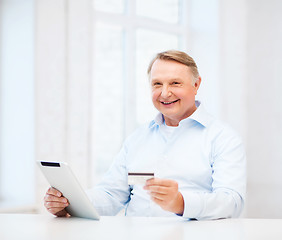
{"x": 200, "y": 115}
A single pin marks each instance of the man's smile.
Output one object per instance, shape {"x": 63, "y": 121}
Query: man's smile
{"x": 168, "y": 103}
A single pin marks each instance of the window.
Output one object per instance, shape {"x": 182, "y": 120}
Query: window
{"x": 16, "y": 103}
{"x": 127, "y": 35}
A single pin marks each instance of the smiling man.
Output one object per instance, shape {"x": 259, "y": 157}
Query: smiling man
{"x": 173, "y": 90}
{"x": 198, "y": 163}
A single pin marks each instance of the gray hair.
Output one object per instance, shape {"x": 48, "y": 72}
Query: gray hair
{"x": 177, "y": 56}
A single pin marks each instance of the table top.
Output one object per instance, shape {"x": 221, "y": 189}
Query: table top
{"x": 33, "y": 226}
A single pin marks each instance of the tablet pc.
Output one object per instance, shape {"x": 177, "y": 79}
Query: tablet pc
{"x": 60, "y": 176}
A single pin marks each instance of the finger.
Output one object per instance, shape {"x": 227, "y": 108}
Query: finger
{"x": 52, "y": 198}
{"x": 156, "y": 189}
{"x": 62, "y": 213}
{"x": 55, "y": 211}
{"x": 159, "y": 181}
{"x": 161, "y": 197}
{"x": 54, "y": 191}
{"x": 55, "y": 205}
{"x": 157, "y": 200}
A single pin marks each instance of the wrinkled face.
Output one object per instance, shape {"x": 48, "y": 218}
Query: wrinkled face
{"x": 173, "y": 91}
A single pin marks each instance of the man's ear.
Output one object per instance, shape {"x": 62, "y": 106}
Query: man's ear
{"x": 197, "y": 84}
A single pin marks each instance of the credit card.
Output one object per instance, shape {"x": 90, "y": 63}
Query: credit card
{"x": 139, "y": 178}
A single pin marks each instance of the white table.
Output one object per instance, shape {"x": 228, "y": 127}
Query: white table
{"x": 40, "y": 227}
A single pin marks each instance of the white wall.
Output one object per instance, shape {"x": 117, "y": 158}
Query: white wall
{"x": 251, "y": 55}
{"x": 264, "y": 100}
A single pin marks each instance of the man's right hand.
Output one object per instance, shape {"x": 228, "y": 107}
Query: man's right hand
{"x": 55, "y": 203}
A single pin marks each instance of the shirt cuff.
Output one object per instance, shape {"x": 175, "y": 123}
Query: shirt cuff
{"x": 193, "y": 205}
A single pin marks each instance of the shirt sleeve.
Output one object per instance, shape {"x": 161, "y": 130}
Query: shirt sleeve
{"x": 113, "y": 192}
{"x": 226, "y": 198}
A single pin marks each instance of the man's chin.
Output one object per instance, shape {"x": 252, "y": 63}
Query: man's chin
{"x": 169, "y": 111}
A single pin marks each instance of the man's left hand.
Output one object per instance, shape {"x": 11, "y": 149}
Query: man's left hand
{"x": 165, "y": 193}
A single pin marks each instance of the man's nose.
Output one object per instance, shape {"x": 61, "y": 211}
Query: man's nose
{"x": 165, "y": 92}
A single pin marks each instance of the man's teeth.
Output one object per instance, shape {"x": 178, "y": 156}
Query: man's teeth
{"x": 166, "y": 103}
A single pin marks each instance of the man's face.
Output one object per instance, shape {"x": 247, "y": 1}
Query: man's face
{"x": 173, "y": 91}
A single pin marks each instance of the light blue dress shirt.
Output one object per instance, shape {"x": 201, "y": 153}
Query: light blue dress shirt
{"x": 205, "y": 157}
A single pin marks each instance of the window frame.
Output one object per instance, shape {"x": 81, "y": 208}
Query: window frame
{"x": 130, "y": 22}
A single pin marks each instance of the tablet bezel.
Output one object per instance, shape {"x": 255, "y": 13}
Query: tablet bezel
{"x": 60, "y": 176}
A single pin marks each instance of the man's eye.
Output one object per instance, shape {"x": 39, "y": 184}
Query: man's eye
{"x": 175, "y": 83}
{"x": 156, "y": 84}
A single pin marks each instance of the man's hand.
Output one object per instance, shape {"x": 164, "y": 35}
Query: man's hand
{"x": 55, "y": 203}
{"x": 165, "y": 193}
